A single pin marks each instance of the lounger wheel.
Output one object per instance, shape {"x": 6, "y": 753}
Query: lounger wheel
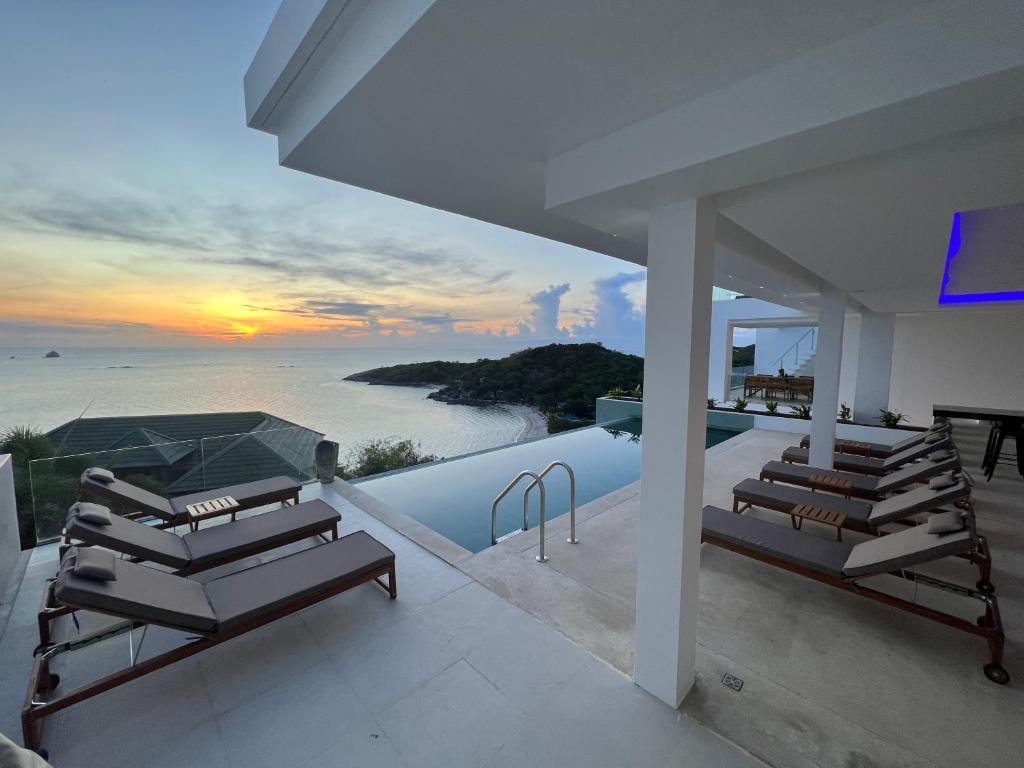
{"x": 997, "y": 674}
{"x": 54, "y": 681}
{"x": 986, "y": 587}
{"x": 981, "y": 621}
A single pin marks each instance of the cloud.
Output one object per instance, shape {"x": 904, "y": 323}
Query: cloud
{"x": 543, "y": 322}
{"x": 283, "y": 241}
{"x": 614, "y": 319}
{"x": 340, "y": 308}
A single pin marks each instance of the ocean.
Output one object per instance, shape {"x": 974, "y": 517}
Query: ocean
{"x": 302, "y": 385}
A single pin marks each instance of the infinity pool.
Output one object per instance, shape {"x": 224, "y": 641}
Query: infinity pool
{"x": 454, "y": 497}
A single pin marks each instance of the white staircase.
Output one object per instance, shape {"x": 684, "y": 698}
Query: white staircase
{"x": 806, "y": 363}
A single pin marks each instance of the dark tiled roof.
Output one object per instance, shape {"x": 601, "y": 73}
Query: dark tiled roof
{"x": 199, "y": 450}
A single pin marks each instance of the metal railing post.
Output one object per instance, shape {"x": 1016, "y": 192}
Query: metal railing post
{"x": 504, "y": 493}
{"x": 572, "y": 495}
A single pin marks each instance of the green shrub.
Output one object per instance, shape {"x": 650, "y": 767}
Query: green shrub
{"x": 891, "y": 418}
{"x": 712, "y": 402}
{"x": 741, "y": 404}
{"x": 845, "y": 414}
{"x": 383, "y": 455}
{"x": 26, "y": 444}
{"x": 772, "y": 407}
{"x": 803, "y": 411}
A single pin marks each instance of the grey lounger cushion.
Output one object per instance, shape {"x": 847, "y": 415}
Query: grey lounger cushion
{"x": 131, "y": 538}
{"x": 883, "y": 554}
{"x": 94, "y": 563}
{"x": 916, "y": 473}
{"x": 776, "y": 496}
{"x": 248, "y": 495}
{"x": 157, "y": 597}
{"x": 883, "y": 450}
{"x": 96, "y": 514}
{"x": 861, "y": 485}
{"x": 119, "y": 491}
{"x": 779, "y": 541}
{"x": 234, "y": 540}
{"x": 249, "y": 593}
{"x": 920, "y": 499}
{"x": 801, "y": 474}
{"x": 869, "y": 464}
{"x": 139, "y": 593}
{"x": 257, "y": 533}
{"x": 905, "y": 549}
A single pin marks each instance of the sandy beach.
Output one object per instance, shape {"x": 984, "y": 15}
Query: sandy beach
{"x": 534, "y": 423}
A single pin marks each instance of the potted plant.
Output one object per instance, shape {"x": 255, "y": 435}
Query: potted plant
{"x": 891, "y": 419}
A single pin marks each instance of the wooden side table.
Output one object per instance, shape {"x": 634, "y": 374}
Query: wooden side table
{"x": 818, "y": 515}
{"x": 204, "y": 510}
{"x": 831, "y": 483}
{"x": 855, "y": 446}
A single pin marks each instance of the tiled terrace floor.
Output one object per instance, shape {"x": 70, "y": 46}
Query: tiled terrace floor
{"x": 449, "y": 675}
{"x": 831, "y": 679}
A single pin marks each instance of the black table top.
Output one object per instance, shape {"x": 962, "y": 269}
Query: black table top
{"x": 977, "y": 412}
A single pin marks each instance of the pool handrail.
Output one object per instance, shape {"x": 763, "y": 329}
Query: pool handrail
{"x": 572, "y": 498}
{"x": 526, "y": 523}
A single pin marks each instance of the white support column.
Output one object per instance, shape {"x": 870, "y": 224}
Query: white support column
{"x": 680, "y": 259}
{"x": 874, "y": 366}
{"x": 827, "y": 363}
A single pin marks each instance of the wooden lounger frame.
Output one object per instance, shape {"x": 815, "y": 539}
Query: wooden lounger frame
{"x": 50, "y": 609}
{"x": 988, "y": 626}
{"x": 42, "y": 682}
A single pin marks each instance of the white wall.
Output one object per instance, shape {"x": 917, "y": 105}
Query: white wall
{"x": 10, "y": 544}
{"x": 723, "y": 315}
{"x": 957, "y": 357}
{"x": 772, "y": 343}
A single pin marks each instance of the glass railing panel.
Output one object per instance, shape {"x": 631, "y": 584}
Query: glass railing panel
{"x": 166, "y": 469}
{"x": 244, "y": 457}
{"x": 55, "y": 483}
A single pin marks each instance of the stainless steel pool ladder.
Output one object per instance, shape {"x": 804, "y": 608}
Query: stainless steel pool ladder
{"x": 538, "y": 481}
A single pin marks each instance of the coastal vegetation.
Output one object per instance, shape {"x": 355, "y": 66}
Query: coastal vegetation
{"x": 743, "y": 356}
{"x": 372, "y": 457}
{"x": 25, "y": 444}
{"x": 560, "y": 380}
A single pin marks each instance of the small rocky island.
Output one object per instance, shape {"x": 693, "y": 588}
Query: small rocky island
{"x": 559, "y": 379}
{"x": 52, "y": 353}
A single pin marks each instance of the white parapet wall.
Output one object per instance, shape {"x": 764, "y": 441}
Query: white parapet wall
{"x": 10, "y": 543}
{"x": 616, "y": 409}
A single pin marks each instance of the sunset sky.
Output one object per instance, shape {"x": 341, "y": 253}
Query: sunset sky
{"x": 137, "y": 209}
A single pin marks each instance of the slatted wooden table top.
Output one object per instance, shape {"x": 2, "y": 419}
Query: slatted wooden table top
{"x": 819, "y": 515}
{"x": 224, "y": 505}
{"x": 830, "y": 483}
{"x": 855, "y": 446}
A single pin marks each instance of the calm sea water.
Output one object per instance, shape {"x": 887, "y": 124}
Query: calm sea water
{"x": 304, "y": 386}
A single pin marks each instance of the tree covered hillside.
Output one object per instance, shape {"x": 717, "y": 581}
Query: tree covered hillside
{"x": 558, "y": 378}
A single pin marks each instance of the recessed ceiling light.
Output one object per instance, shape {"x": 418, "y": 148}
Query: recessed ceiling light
{"x": 760, "y": 286}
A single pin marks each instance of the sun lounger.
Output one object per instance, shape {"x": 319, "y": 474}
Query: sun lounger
{"x": 883, "y": 450}
{"x": 211, "y": 612}
{"x": 102, "y": 485}
{"x": 193, "y": 552}
{"x": 844, "y": 565}
{"x": 852, "y": 484}
{"x": 869, "y": 465}
{"x": 866, "y": 516}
